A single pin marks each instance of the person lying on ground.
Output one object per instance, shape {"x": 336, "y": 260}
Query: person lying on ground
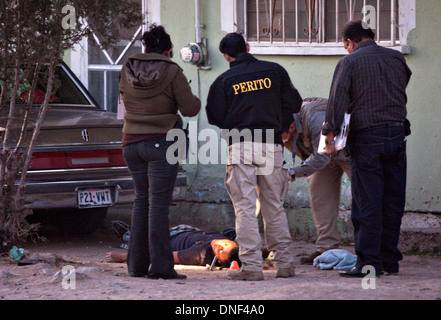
{"x": 190, "y": 245}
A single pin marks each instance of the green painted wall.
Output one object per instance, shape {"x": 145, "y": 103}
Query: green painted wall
{"x": 424, "y": 106}
{"x": 209, "y": 204}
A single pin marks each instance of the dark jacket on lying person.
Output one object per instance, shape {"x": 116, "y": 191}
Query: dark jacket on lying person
{"x": 192, "y": 246}
{"x": 196, "y": 248}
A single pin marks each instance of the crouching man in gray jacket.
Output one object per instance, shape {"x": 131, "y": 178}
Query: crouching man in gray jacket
{"x": 322, "y": 171}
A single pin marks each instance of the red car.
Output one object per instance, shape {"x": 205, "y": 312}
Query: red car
{"x": 77, "y": 170}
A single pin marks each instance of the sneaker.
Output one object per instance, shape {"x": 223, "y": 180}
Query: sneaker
{"x": 241, "y": 274}
{"x": 286, "y": 272}
{"x": 310, "y": 259}
{"x": 119, "y": 228}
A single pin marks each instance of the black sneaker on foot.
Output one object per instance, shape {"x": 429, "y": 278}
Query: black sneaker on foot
{"x": 120, "y": 228}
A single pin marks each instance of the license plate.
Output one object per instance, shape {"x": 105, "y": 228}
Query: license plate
{"x": 100, "y": 197}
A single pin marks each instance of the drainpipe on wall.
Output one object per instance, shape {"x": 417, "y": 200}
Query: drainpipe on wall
{"x": 201, "y": 42}
{"x": 196, "y": 53}
{"x": 198, "y": 25}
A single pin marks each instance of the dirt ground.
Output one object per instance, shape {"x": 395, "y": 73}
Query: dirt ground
{"x": 96, "y": 279}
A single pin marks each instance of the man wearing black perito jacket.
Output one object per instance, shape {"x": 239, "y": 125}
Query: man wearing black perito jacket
{"x": 254, "y": 101}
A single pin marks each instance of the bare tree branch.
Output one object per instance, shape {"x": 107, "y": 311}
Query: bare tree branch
{"x": 32, "y": 39}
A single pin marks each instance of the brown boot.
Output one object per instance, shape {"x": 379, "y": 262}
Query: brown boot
{"x": 240, "y": 274}
{"x": 286, "y": 272}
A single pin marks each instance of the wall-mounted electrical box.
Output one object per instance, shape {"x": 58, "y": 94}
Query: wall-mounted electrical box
{"x": 192, "y": 54}
{"x": 196, "y": 54}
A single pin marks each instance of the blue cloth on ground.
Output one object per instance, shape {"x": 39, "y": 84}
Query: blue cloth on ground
{"x": 337, "y": 259}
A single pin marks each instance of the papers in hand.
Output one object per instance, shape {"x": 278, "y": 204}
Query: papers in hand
{"x": 340, "y": 139}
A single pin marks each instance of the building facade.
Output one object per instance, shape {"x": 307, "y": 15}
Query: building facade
{"x": 304, "y": 37}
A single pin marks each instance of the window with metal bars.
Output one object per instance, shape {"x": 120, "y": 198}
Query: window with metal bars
{"x": 314, "y": 22}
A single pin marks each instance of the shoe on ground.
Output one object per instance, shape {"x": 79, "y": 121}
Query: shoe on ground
{"x": 138, "y": 274}
{"x": 390, "y": 270}
{"x": 309, "y": 260}
{"x": 119, "y": 228}
{"x": 286, "y": 272}
{"x": 241, "y": 274}
{"x": 356, "y": 272}
{"x": 175, "y": 276}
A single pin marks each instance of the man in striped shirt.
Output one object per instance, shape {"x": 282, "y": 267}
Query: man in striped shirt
{"x": 370, "y": 84}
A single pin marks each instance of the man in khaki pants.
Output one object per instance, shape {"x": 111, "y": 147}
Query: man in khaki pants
{"x": 322, "y": 171}
{"x": 246, "y": 182}
{"x": 254, "y": 101}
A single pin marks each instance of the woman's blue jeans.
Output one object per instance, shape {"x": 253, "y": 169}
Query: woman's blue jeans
{"x": 154, "y": 179}
{"x": 378, "y": 184}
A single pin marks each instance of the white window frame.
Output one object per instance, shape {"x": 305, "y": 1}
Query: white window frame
{"x": 79, "y": 59}
{"x": 231, "y": 20}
